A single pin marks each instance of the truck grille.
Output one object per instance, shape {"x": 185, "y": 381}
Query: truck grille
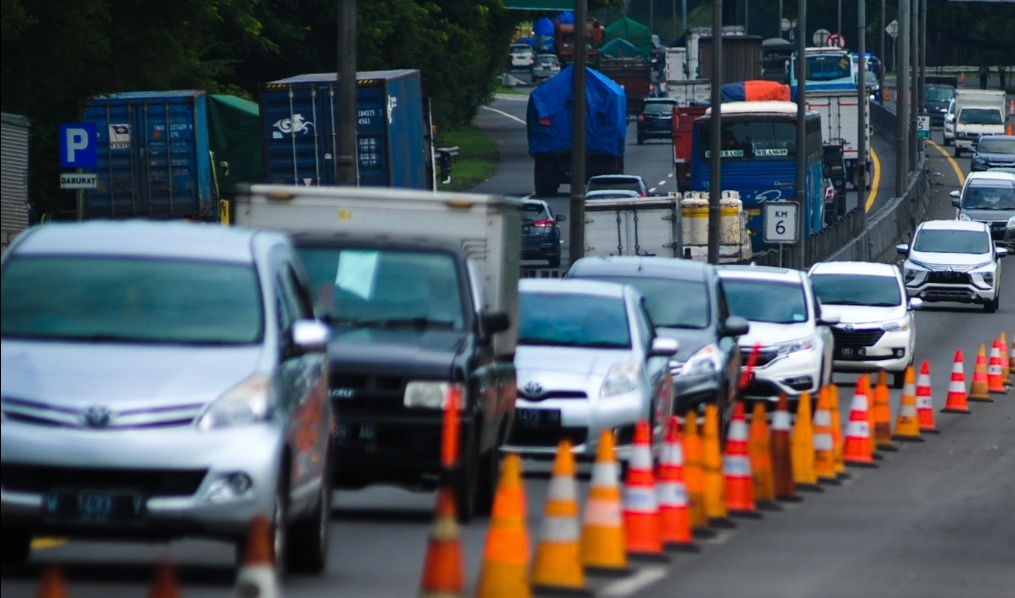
{"x": 367, "y": 390}
{"x": 857, "y": 338}
{"x": 152, "y": 482}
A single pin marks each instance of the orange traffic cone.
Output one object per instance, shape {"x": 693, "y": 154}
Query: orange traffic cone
{"x": 505, "y": 569}
{"x": 995, "y": 375}
{"x": 824, "y": 446}
{"x": 857, "y": 449}
{"x": 882, "y": 415}
{"x": 642, "y": 529}
{"x": 694, "y": 477}
{"x": 556, "y": 564}
{"x": 907, "y": 424}
{"x": 761, "y": 460}
{"x": 833, "y": 408}
{"x": 962, "y": 78}
{"x": 51, "y": 584}
{"x": 602, "y": 540}
{"x": 802, "y": 443}
{"x": 711, "y": 464}
{"x": 1005, "y": 361}
{"x": 1011, "y": 108}
{"x": 736, "y": 467}
{"x": 782, "y": 453}
{"x": 1011, "y": 354}
{"x": 442, "y": 567}
{"x": 980, "y": 389}
{"x": 256, "y": 576}
{"x": 868, "y": 391}
{"x": 956, "y": 400}
{"x": 925, "y": 401}
{"x": 164, "y": 585}
{"x": 675, "y": 523}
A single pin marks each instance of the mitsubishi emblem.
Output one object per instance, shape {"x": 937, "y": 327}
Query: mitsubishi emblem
{"x": 533, "y": 389}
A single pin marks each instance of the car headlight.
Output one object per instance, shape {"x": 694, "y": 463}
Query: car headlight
{"x": 798, "y": 346}
{"x": 900, "y": 325}
{"x": 622, "y": 377}
{"x": 706, "y": 360}
{"x": 432, "y": 395}
{"x": 983, "y": 265}
{"x": 1011, "y": 222}
{"x": 964, "y": 216}
{"x": 246, "y": 403}
{"x": 915, "y": 265}
{"x": 988, "y": 277}
{"x": 911, "y": 275}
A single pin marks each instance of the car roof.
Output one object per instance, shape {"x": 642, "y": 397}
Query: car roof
{"x": 606, "y": 177}
{"x": 143, "y": 238}
{"x": 989, "y": 176}
{"x": 649, "y": 267}
{"x": 571, "y": 286}
{"x": 970, "y": 225}
{"x": 535, "y": 202}
{"x": 760, "y": 273}
{"x": 864, "y": 268}
{"x": 613, "y": 193}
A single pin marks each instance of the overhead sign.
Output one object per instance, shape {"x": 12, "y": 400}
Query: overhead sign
{"x": 836, "y": 40}
{"x": 780, "y": 221}
{"x": 820, "y": 36}
{"x": 892, "y": 29}
{"x": 77, "y": 145}
{"x": 75, "y": 180}
{"x": 923, "y": 126}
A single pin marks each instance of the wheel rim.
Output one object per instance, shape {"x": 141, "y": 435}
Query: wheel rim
{"x": 279, "y": 531}
{"x": 322, "y": 527}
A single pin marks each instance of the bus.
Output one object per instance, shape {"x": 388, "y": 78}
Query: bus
{"x": 759, "y": 160}
{"x": 828, "y": 69}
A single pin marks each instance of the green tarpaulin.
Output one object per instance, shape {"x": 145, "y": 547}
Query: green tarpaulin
{"x": 235, "y": 131}
{"x": 632, "y": 31}
{"x": 620, "y": 48}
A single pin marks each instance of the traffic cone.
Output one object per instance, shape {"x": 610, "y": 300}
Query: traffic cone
{"x": 824, "y": 446}
{"x": 907, "y": 424}
{"x": 962, "y": 78}
{"x": 980, "y": 390}
{"x": 711, "y": 464}
{"x": 955, "y": 402}
{"x": 833, "y": 408}
{"x": 51, "y": 584}
{"x": 642, "y": 531}
{"x": 675, "y": 523}
{"x": 995, "y": 375}
{"x": 736, "y": 468}
{"x": 1005, "y": 361}
{"x": 882, "y": 414}
{"x": 164, "y": 584}
{"x": 857, "y": 449}
{"x": 256, "y": 576}
{"x": 602, "y": 539}
{"x": 557, "y": 564}
{"x": 442, "y": 566}
{"x": 505, "y": 569}
{"x": 1011, "y": 354}
{"x": 802, "y": 443}
{"x": 925, "y": 401}
{"x": 782, "y": 453}
{"x": 1011, "y": 108}
{"x": 694, "y": 477}
{"x": 869, "y": 393}
{"x": 761, "y": 459}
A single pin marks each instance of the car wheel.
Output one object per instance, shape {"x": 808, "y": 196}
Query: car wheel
{"x": 947, "y": 143}
{"x": 898, "y": 379}
{"x": 641, "y": 140}
{"x": 554, "y": 262}
{"x": 489, "y": 476}
{"x": 465, "y": 480}
{"x": 991, "y": 306}
{"x": 15, "y": 546}
{"x": 308, "y": 538}
{"x": 278, "y": 529}
{"x": 958, "y": 152}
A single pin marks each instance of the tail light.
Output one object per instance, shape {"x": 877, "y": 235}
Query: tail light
{"x": 641, "y": 118}
{"x": 549, "y": 222}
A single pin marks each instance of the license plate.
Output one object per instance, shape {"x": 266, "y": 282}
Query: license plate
{"x": 850, "y": 353}
{"x": 93, "y": 507}
{"x": 353, "y": 433}
{"x": 538, "y": 418}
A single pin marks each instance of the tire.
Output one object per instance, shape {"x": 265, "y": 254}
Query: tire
{"x": 991, "y": 306}
{"x": 489, "y": 476}
{"x": 15, "y": 546}
{"x": 899, "y": 379}
{"x": 279, "y": 529}
{"x": 946, "y": 142}
{"x": 554, "y": 262}
{"x": 958, "y": 152}
{"x": 465, "y": 480}
{"x": 308, "y": 538}
{"x": 544, "y": 186}
{"x": 641, "y": 140}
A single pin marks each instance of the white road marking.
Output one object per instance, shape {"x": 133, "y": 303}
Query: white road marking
{"x": 652, "y": 190}
{"x": 501, "y": 112}
{"x": 662, "y": 182}
{"x": 639, "y": 581}
{"x": 669, "y": 176}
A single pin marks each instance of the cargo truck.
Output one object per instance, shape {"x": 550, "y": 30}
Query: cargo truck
{"x": 977, "y": 112}
{"x": 637, "y": 226}
{"x": 300, "y": 124}
{"x": 421, "y": 292}
{"x": 548, "y": 124}
{"x": 563, "y": 35}
{"x": 840, "y": 126}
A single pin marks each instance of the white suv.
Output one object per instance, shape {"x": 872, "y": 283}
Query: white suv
{"x": 795, "y": 343}
{"x": 877, "y": 328}
{"x": 954, "y": 260}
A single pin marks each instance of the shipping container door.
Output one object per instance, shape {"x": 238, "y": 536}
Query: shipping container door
{"x": 372, "y": 128}
{"x": 407, "y": 152}
{"x": 174, "y": 157}
{"x": 298, "y": 131}
{"x": 117, "y": 191}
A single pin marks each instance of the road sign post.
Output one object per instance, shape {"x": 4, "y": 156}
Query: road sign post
{"x": 780, "y": 223}
{"x": 923, "y": 126}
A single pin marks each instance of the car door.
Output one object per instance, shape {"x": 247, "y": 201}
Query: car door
{"x": 728, "y": 345}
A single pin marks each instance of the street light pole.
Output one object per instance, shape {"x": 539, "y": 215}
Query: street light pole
{"x": 902, "y": 100}
{"x": 715, "y": 159}
{"x": 577, "y": 203}
{"x": 914, "y": 77}
{"x": 861, "y": 91}
{"x": 801, "y": 134}
{"x": 345, "y": 161}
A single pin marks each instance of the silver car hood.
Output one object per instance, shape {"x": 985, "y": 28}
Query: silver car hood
{"x": 533, "y": 360}
{"x": 77, "y": 375}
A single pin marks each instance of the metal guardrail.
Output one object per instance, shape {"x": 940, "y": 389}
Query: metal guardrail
{"x": 883, "y": 121}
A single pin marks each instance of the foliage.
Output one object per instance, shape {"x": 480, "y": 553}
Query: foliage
{"x": 476, "y": 161}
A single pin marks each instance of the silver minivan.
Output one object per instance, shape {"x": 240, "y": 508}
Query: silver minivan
{"x": 162, "y": 380}
{"x": 987, "y": 197}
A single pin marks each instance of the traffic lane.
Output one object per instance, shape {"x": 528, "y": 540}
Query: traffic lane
{"x": 504, "y": 123}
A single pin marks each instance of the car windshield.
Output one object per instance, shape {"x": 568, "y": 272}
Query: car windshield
{"x": 376, "y": 288}
{"x": 573, "y": 320}
{"x": 629, "y": 184}
{"x": 658, "y": 108}
{"x": 532, "y": 212}
{"x": 980, "y": 116}
{"x": 766, "y": 301}
{"x": 989, "y": 197}
{"x": 750, "y": 139}
{"x": 828, "y": 67}
{"x": 547, "y": 59}
{"x": 520, "y": 49}
{"x": 952, "y": 241}
{"x": 1001, "y": 145}
{"x": 939, "y": 94}
{"x": 134, "y": 300}
{"x": 670, "y": 303}
{"x": 856, "y": 289}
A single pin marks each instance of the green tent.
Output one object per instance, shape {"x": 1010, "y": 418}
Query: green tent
{"x": 620, "y": 48}
{"x": 634, "y": 32}
{"x": 235, "y": 131}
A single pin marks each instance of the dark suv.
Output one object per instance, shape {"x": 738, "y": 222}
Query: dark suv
{"x": 833, "y": 167}
{"x": 540, "y": 233}
{"x": 656, "y": 119}
{"x": 686, "y": 302}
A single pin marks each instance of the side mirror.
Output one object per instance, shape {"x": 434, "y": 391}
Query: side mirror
{"x": 902, "y": 249}
{"x": 735, "y": 326}
{"x": 1001, "y": 252}
{"x": 560, "y": 217}
{"x": 915, "y": 303}
{"x": 309, "y": 336}
{"x": 956, "y": 202}
{"x": 829, "y": 320}
{"x": 495, "y": 322}
{"x": 954, "y": 193}
{"x": 663, "y": 347}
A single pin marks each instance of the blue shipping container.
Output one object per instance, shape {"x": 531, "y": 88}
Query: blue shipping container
{"x": 299, "y": 118}
{"x": 153, "y": 156}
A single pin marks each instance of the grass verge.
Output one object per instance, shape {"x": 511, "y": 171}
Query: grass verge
{"x": 477, "y": 158}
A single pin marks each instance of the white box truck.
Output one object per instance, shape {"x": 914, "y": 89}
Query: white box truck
{"x": 421, "y": 292}
{"x": 636, "y": 226}
{"x": 977, "y": 112}
{"x": 840, "y": 125}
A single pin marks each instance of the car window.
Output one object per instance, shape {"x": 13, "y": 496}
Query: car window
{"x": 573, "y": 320}
{"x": 535, "y": 211}
{"x": 658, "y": 108}
{"x": 952, "y": 241}
{"x": 985, "y": 196}
{"x": 766, "y": 301}
{"x": 856, "y": 289}
{"x": 980, "y": 116}
{"x": 117, "y": 299}
{"x": 617, "y": 183}
{"x": 644, "y": 323}
{"x": 671, "y": 303}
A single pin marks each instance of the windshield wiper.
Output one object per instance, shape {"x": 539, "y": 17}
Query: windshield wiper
{"x": 846, "y": 302}
{"x": 418, "y": 322}
{"x": 545, "y": 342}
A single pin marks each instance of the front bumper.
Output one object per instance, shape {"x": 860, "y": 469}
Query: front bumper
{"x": 977, "y": 293}
{"x": 791, "y": 374}
{"x": 893, "y": 352}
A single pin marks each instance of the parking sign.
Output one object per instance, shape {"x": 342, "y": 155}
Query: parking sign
{"x": 780, "y": 221}
{"x": 77, "y": 145}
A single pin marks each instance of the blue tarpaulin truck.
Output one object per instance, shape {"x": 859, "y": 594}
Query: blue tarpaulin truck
{"x": 299, "y": 120}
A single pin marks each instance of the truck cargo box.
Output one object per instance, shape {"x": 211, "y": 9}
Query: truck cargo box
{"x": 14, "y": 194}
{"x": 637, "y": 226}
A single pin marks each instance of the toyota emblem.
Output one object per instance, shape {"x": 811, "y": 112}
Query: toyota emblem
{"x": 97, "y": 417}
{"x": 533, "y": 389}
{"x": 849, "y": 327}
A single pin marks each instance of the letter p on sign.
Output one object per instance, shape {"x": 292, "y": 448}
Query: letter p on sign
{"x": 77, "y": 145}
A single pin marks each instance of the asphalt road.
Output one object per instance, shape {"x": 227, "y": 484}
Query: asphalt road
{"x": 934, "y": 520}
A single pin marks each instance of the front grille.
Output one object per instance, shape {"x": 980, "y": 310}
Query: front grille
{"x": 948, "y": 277}
{"x": 43, "y": 414}
{"x": 765, "y": 356}
{"x": 857, "y": 338}
{"x": 554, "y": 394}
{"x": 366, "y": 391}
{"x": 152, "y": 482}
{"x": 537, "y": 437}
